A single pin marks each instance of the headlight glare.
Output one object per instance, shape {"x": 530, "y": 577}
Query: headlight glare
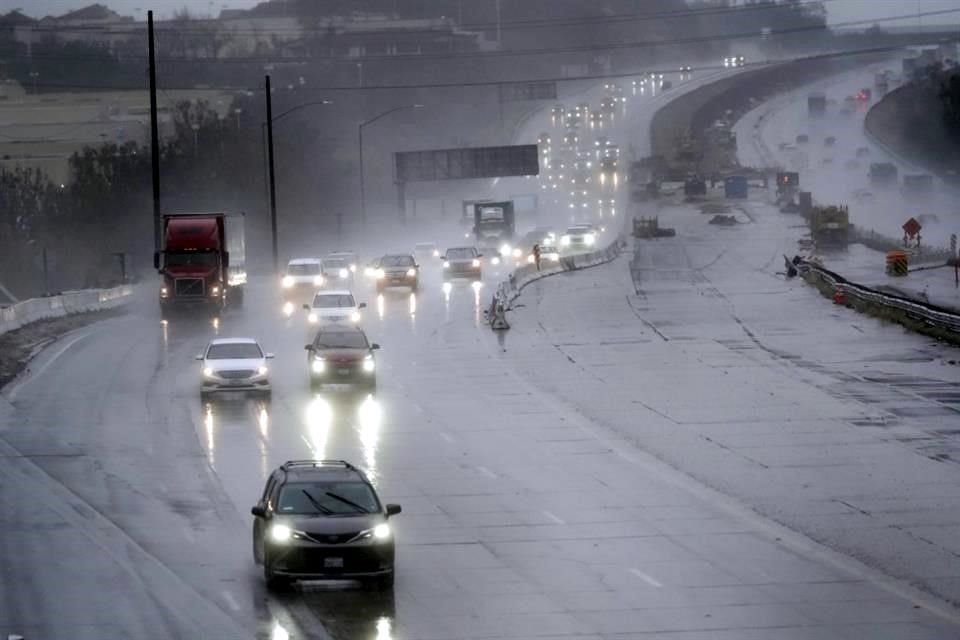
{"x": 344, "y": 273}
{"x": 446, "y": 264}
{"x": 355, "y": 316}
{"x": 411, "y": 272}
{"x": 565, "y": 240}
{"x": 318, "y": 280}
{"x": 368, "y": 364}
{"x": 207, "y": 371}
{"x": 318, "y": 365}
{"x": 381, "y": 531}
{"x": 287, "y": 282}
{"x": 312, "y": 318}
{"x": 379, "y": 274}
{"x": 262, "y": 370}
{"x": 589, "y": 238}
{"x": 475, "y": 263}
{"x": 280, "y": 533}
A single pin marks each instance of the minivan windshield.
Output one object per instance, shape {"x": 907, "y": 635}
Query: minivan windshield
{"x": 327, "y": 498}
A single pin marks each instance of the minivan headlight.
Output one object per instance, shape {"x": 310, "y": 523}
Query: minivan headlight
{"x": 287, "y": 282}
{"x": 318, "y": 365}
{"x": 280, "y": 533}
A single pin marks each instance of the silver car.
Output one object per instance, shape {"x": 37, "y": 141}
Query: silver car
{"x": 234, "y": 364}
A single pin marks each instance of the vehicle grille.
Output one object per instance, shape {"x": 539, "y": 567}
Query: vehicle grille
{"x": 339, "y": 538}
{"x": 355, "y": 560}
{"x": 236, "y": 374}
{"x": 189, "y": 287}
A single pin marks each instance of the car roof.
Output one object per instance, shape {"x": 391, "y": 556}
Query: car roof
{"x": 333, "y": 292}
{"x": 305, "y": 261}
{"x": 298, "y": 470}
{"x": 462, "y": 247}
{"x": 396, "y": 255}
{"x": 341, "y": 254}
{"x": 234, "y": 341}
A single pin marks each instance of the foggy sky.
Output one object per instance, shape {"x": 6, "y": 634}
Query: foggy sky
{"x": 840, "y": 10}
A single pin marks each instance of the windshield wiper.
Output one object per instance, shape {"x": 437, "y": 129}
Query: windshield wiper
{"x": 319, "y": 507}
{"x": 348, "y": 502}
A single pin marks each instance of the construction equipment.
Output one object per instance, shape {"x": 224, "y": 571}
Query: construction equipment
{"x": 830, "y": 225}
{"x": 735, "y": 187}
{"x": 650, "y": 228}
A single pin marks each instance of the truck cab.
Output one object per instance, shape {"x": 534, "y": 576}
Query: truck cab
{"x": 202, "y": 262}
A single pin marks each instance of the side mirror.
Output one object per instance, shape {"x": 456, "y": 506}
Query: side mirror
{"x": 308, "y": 347}
{"x": 362, "y": 305}
{"x": 374, "y": 347}
{"x": 393, "y": 509}
{"x": 306, "y": 307}
{"x": 258, "y": 511}
{"x": 270, "y": 356}
{"x": 199, "y": 356}
{"x": 156, "y": 260}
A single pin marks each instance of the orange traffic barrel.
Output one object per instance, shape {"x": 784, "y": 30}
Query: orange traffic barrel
{"x": 897, "y": 263}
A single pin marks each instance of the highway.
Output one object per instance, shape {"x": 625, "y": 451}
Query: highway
{"x": 527, "y": 511}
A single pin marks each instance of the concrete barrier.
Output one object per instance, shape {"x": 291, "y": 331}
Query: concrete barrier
{"x": 67, "y": 303}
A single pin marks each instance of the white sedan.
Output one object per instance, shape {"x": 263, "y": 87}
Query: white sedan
{"x": 234, "y": 364}
{"x": 334, "y": 307}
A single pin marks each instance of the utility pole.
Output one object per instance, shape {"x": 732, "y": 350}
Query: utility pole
{"x": 272, "y": 180}
{"x": 154, "y": 136}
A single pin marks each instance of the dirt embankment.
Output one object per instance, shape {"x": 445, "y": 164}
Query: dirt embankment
{"x": 909, "y": 122}
{"x": 17, "y": 347}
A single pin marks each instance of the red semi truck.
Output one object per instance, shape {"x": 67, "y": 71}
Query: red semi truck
{"x": 202, "y": 262}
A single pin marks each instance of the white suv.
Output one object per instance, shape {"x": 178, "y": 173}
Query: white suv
{"x": 334, "y": 307}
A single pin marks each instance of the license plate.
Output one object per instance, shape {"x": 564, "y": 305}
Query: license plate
{"x": 343, "y": 372}
{"x": 333, "y": 563}
{"x": 236, "y": 383}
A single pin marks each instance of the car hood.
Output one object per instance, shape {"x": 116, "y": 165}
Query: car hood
{"x": 333, "y": 312}
{"x": 332, "y": 525}
{"x": 189, "y": 270}
{"x": 303, "y": 279}
{"x": 234, "y": 364}
{"x": 346, "y": 355}
{"x": 462, "y": 260}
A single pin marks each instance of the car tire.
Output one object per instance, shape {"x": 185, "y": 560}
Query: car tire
{"x": 380, "y": 583}
{"x": 274, "y": 582}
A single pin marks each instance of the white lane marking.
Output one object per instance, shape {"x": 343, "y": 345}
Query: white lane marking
{"x": 39, "y": 371}
{"x": 231, "y": 601}
{"x": 554, "y": 517}
{"x": 650, "y": 580}
{"x": 446, "y": 436}
{"x": 487, "y": 472}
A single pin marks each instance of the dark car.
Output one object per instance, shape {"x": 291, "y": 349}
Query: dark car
{"x": 398, "y": 270}
{"x": 462, "y": 262}
{"x": 322, "y": 519}
{"x": 342, "y": 355}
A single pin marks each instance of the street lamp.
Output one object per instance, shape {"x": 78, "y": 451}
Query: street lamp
{"x": 271, "y": 173}
{"x": 363, "y": 191}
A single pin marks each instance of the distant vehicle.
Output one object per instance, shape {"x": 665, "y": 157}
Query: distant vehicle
{"x": 596, "y": 119}
{"x": 917, "y": 184}
{"x": 734, "y": 61}
{"x": 494, "y": 227}
{"x": 579, "y": 237}
{"x": 342, "y": 355}
{"x": 608, "y": 207}
{"x": 323, "y": 519}
{"x": 334, "y": 307}
{"x": 547, "y": 239}
{"x": 557, "y": 114}
{"x": 340, "y": 267}
{"x": 426, "y": 250}
{"x": 398, "y": 270}
{"x": 864, "y": 95}
{"x": 462, "y": 262}
{"x": 803, "y": 138}
{"x": 201, "y": 262}
{"x": 883, "y": 173}
{"x": 234, "y": 364}
{"x": 608, "y": 105}
{"x": 686, "y": 69}
{"x": 829, "y": 141}
{"x": 302, "y": 278}
{"x": 816, "y": 104}
{"x": 543, "y": 141}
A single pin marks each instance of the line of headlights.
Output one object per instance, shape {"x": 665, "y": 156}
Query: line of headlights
{"x": 282, "y": 534}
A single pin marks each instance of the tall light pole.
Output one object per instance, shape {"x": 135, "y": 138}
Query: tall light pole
{"x": 271, "y": 174}
{"x": 363, "y": 189}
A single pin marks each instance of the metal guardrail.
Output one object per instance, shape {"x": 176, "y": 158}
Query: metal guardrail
{"x": 69, "y": 302}
{"x": 898, "y": 308}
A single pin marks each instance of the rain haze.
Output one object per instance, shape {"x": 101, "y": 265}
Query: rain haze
{"x": 449, "y": 319}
